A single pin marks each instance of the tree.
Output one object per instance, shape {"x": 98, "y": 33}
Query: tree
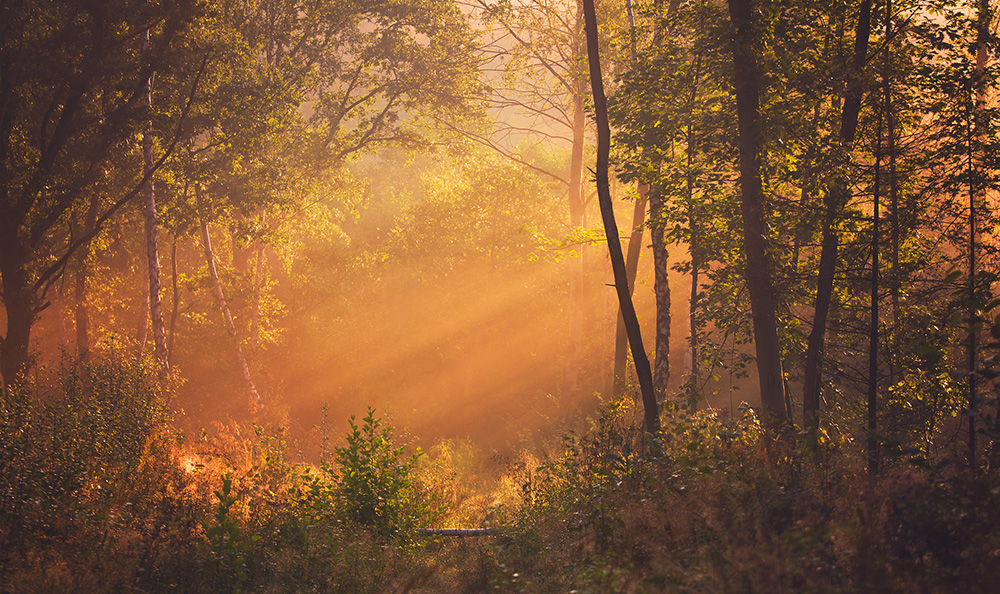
{"x": 747, "y": 83}
{"x": 301, "y": 88}
{"x": 834, "y": 202}
{"x": 538, "y": 81}
{"x": 71, "y": 98}
{"x": 651, "y": 412}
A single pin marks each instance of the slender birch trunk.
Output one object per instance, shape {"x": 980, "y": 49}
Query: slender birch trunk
{"x": 661, "y": 290}
{"x": 83, "y": 261}
{"x": 149, "y": 212}
{"x": 220, "y": 298}
{"x": 576, "y": 216}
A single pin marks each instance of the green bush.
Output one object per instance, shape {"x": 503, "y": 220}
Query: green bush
{"x": 78, "y": 440}
{"x": 374, "y": 478}
{"x": 90, "y": 491}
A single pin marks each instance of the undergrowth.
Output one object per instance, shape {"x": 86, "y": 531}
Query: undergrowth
{"x": 98, "y": 494}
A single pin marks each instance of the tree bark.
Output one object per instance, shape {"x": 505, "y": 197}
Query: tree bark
{"x": 693, "y": 302}
{"x": 631, "y": 269}
{"x": 661, "y": 291}
{"x": 747, "y": 84}
{"x": 982, "y": 37}
{"x": 835, "y": 199}
{"x": 175, "y": 297}
{"x": 873, "y": 445}
{"x": 83, "y": 257}
{"x": 576, "y": 217}
{"x": 693, "y": 243}
{"x": 20, "y": 306}
{"x": 220, "y": 299}
{"x": 650, "y": 407}
{"x": 149, "y": 214}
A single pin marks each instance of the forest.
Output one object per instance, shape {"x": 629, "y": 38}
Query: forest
{"x": 605, "y": 296}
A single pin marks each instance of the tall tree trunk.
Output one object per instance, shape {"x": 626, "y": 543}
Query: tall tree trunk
{"x": 693, "y": 302}
{"x": 650, "y": 407}
{"x": 873, "y": 445}
{"x": 19, "y": 304}
{"x": 976, "y": 132}
{"x": 631, "y": 269}
{"x": 634, "y": 248}
{"x": 576, "y": 216}
{"x": 747, "y": 84}
{"x": 835, "y": 200}
{"x": 693, "y": 243}
{"x": 220, "y": 298}
{"x": 175, "y": 297}
{"x": 83, "y": 257}
{"x": 149, "y": 212}
{"x": 661, "y": 291}
{"x": 890, "y": 122}
{"x": 142, "y": 324}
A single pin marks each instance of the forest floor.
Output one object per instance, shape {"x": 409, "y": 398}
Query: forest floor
{"x": 99, "y": 494}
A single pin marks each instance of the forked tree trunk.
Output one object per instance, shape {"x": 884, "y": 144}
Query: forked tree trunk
{"x": 747, "y": 82}
{"x": 650, "y": 407}
{"x": 220, "y": 299}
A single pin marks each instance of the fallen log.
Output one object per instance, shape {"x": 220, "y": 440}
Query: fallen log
{"x": 456, "y": 531}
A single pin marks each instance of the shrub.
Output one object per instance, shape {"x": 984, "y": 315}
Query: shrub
{"x": 374, "y": 479}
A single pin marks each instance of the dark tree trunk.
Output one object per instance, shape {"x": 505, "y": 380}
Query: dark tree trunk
{"x": 650, "y": 407}
{"x": 632, "y": 253}
{"x": 747, "y": 83}
{"x": 693, "y": 303}
{"x": 693, "y": 243}
{"x": 661, "y": 291}
{"x": 982, "y": 37}
{"x": 873, "y": 445}
{"x": 20, "y": 306}
{"x": 175, "y": 298}
{"x": 631, "y": 269}
{"x": 834, "y": 201}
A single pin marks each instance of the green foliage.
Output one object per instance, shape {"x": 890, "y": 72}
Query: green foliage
{"x": 224, "y": 537}
{"x": 723, "y": 507}
{"x": 374, "y": 478}
{"x": 79, "y": 441}
{"x": 90, "y": 493}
